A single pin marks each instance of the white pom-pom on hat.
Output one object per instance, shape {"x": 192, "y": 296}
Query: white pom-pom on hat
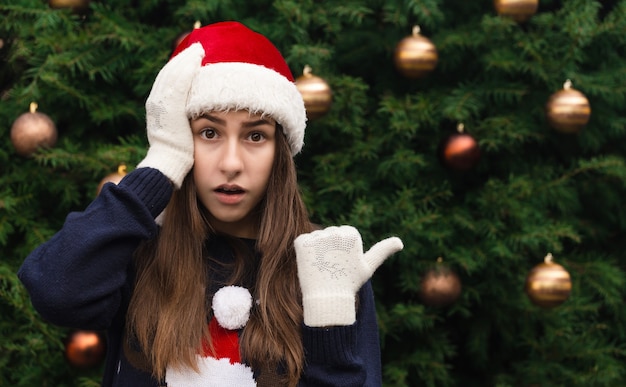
{"x": 231, "y": 306}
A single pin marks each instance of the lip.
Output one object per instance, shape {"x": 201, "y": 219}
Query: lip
{"x": 229, "y": 194}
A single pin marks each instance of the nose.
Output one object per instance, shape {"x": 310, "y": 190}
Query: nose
{"x": 231, "y": 162}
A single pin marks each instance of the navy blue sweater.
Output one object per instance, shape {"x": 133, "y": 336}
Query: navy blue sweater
{"x": 82, "y": 278}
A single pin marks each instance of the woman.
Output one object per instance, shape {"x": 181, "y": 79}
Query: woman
{"x": 215, "y": 206}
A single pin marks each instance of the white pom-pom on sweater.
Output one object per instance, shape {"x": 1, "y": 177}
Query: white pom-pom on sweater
{"x": 231, "y": 306}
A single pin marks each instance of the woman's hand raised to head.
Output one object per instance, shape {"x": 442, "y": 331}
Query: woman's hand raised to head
{"x": 169, "y": 133}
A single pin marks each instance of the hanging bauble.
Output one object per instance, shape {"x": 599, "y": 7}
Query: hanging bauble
{"x": 85, "y": 349}
{"x": 415, "y": 55}
{"x": 31, "y": 131}
{"x": 568, "y": 110}
{"x": 440, "y": 286}
{"x": 548, "y": 284}
{"x": 183, "y": 35}
{"x": 114, "y": 177}
{"x": 518, "y": 10}
{"x": 76, "y": 5}
{"x": 316, "y": 93}
{"x": 459, "y": 151}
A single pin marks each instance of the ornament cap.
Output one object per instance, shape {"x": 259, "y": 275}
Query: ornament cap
{"x": 33, "y": 107}
{"x": 307, "y": 71}
{"x": 567, "y": 85}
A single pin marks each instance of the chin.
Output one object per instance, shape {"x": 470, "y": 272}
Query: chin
{"x": 233, "y": 225}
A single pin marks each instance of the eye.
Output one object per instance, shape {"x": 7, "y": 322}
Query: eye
{"x": 256, "y": 136}
{"x": 208, "y": 133}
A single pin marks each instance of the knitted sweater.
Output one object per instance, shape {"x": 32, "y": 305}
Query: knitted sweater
{"x": 82, "y": 278}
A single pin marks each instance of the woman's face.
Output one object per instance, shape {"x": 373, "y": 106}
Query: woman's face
{"x": 233, "y": 158}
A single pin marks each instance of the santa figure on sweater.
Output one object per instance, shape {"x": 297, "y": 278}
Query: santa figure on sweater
{"x": 220, "y": 366}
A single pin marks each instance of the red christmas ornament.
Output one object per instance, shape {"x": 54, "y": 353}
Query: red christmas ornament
{"x": 78, "y": 6}
{"x": 85, "y": 349}
{"x": 459, "y": 151}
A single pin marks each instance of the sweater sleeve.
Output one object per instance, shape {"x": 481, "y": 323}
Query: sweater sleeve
{"x": 76, "y": 279}
{"x": 345, "y": 356}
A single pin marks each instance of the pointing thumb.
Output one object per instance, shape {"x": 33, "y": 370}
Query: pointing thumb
{"x": 377, "y": 254}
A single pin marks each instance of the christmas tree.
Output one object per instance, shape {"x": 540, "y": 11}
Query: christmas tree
{"x": 534, "y": 186}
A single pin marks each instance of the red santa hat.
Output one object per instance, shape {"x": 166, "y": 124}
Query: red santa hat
{"x": 243, "y": 70}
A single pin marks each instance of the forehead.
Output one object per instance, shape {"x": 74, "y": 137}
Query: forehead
{"x": 238, "y": 115}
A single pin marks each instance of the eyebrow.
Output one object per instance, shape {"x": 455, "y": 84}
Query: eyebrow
{"x": 249, "y": 124}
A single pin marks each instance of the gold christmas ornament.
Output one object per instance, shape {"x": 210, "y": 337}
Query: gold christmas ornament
{"x": 76, "y": 5}
{"x": 415, "y": 55}
{"x": 114, "y": 178}
{"x": 518, "y": 10}
{"x": 316, "y": 93}
{"x": 459, "y": 151}
{"x": 183, "y": 35}
{"x": 31, "y": 131}
{"x": 85, "y": 349}
{"x": 440, "y": 285}
{"x": 568, "y": 110}
{"x": 548, "y": 284}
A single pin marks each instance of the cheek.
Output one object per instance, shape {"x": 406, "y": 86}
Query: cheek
{"x": 203, "y": 165}
{"x": 264, "y": 164}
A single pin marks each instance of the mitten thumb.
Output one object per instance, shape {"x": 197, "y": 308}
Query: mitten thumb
{"x": 377, "y": 254}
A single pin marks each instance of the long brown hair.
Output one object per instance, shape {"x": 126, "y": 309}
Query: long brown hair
{"x": 168, "y": 312}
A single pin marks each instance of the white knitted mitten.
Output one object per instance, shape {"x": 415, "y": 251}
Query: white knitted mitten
{"x": 332, "y": 268}
{"x": 169, "y": 133}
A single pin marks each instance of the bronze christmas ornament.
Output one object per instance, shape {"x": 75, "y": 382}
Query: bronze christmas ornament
{"x": 518, "y": 10}
{"x": 415, "y": 56}
{"x": 440, "y": 285}
{"x": 316, "y": 93}
{"x": 31, "y": 131}
{"x": 114, "y": 178}
{"x": 548, "y": 284}
{"x": 568, "y": 110}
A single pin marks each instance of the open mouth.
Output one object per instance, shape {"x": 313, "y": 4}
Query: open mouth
{"x": 229, "y": 191}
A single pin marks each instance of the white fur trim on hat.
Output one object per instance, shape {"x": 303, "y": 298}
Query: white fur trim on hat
{"x": 243, "y": 86}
